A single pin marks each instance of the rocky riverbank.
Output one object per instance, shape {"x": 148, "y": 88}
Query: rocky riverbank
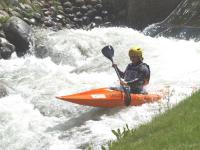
{"x": 17, "y": 17}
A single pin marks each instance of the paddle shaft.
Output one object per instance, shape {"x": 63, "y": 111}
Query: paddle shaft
{"x": 108, "y": 52}
{"x": 127, "y": 94}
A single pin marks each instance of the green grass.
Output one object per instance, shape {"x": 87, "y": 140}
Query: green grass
{"x": 176, "y": 129}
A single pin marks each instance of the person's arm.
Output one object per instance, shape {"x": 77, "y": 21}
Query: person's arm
{"x": 120, "y": 72}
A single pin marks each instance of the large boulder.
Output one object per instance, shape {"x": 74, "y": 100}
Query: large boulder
{"x": 19, "y": 33}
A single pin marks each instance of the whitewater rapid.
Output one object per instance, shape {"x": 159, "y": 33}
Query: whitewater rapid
{"x": 32, "y": 118}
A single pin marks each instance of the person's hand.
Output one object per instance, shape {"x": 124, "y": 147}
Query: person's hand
{"x": 123, "y": 83}
{"x": 114, "y": 65}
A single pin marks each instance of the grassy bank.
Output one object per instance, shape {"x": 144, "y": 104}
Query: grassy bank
{"x": 177, "y": 129}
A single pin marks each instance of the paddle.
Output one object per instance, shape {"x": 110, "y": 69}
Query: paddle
{"x": 108, "y": 52}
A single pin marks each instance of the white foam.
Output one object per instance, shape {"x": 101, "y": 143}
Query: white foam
{"x": 32, "y": 114}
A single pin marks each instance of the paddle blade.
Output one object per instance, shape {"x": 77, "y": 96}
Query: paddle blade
{"x": 108, "y": 52}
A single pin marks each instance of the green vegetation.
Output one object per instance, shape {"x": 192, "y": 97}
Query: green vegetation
{"x": 4, "y": 19}
{"x": 5, "y": 4}
{"x": 176, "y": 129}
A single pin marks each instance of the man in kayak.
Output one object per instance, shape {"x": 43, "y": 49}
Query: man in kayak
{"x": 137, "y": 73}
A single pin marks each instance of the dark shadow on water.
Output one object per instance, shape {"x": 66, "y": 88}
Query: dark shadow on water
{"x": 93, "y": 114}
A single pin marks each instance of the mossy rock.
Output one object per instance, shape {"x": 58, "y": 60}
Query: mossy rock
{"x": 4, "y": 19}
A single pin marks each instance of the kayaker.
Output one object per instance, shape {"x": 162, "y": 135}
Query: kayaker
{"x": 137, "y": 73}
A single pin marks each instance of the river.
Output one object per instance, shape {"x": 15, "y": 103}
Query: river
{"x": 32, "y": 118}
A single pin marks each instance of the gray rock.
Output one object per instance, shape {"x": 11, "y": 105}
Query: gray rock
{"x": 79, "y": 14}
{"x": 91, "y": 13}
{"x": 37, "y": 16}
{"x": 80, "y": 2}
{"x": 68, "y": 10}
{"x": 6, "y": 49}
{"x": 32, "y": 21}
{"x": 84, "y": 9}
{"x": 98, "y": 19}
{"x": 94, "y": 2}
{"x": 3, "y": 14}
{"x": 48, "y": 13}
{"x": 98, "y": 7}
{"x": 104, "y": 13}
{"x": 2, "y": 34}
{"x": 60, "y": 17}
{"x": 76, "y": 9}
{"x": 49, "y": 23}
{"x": 67, "y": 4}
{"x": 19, "y": 33}
{"x": 86, "y": 20}
{"x": 41, "y": 51}
{"x": 3, "y": 91}
{"x": 89, "y": 6}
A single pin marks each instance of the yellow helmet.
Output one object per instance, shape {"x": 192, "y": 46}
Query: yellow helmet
{"x": 136, "y": 51}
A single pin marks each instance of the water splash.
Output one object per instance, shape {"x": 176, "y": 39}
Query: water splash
{"x": 31, "y": 114}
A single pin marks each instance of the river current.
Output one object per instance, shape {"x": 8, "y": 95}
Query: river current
{"x": 32, "y": 118}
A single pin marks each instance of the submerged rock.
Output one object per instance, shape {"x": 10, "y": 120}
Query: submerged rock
{"x": 3, "y": 91}
{"x": 6, "y": 49}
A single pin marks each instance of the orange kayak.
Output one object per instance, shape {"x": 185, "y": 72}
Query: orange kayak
{"x": 107, "y": 97}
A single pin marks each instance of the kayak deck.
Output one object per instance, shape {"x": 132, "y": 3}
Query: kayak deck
{"x": 109, "y": 98}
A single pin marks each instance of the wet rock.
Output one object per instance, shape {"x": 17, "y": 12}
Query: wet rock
{"x": 32, "y": 21}
{"x": 91, "y": 13}
{"x": 3, "y": 91}
{"x": 67, "y": 4}
{"x": 71, "y": 16}
{"x": 19, "y": 33}
{"x": 68, "y": 10}
{"x": 94, "y": 2}
{"x": 41, "y": 51}
{"x": 79, "y": 2}
{"x": 49, "y": 23}
{"x": 61, "y": 12}
{"x": 37, "y": 16}
{"x": 44, "y": 9}
{"x": 59, "y": 8}
{"x": 48, "y": 13}
{"x": 53, "y": 9}
{"x": 98, "y": 19}
{"x": 86, "y": 20}
{"x": 79, "y": 14}
{"x": 2, "y": 34}
{"x": 6, "y": 49}
{"x": 5, "y": 52}
{"x": 60, "y": 17}
{"x": 89, "y": 6}
{"x": 84, "y": 9}
{"x": 76, "y": 9}
{"x": 98, "y": 7}
{"x": 104, "y": 13}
